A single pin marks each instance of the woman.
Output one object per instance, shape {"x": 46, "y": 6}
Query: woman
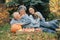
{"x": 35, "y": 21}
{"x": 43, "y": 24}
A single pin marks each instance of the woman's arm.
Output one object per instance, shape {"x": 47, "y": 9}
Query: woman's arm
{"x": 40, "y": 16}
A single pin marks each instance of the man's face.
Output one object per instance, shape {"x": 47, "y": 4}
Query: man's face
{"x": 22, "y": 11}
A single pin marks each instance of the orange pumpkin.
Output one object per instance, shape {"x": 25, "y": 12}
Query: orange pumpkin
{"x": 15, "y": 27}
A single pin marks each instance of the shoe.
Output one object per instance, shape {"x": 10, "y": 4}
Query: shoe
{"x": 58, "y": 20}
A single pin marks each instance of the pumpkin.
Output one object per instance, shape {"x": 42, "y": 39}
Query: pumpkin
{"x": 28, "y": 29}
{"x": 15, "y": 27}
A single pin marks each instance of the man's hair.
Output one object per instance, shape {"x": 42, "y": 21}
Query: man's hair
{"x": 22, "y": 7}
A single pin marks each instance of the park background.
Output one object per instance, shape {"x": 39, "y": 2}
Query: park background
{"x": 50, "y": 9}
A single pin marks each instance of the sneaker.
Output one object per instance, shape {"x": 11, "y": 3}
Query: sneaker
{"x": 58, "y": 20}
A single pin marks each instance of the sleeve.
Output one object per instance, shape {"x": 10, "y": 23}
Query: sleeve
{"x": 25, "y": 20}
{"x": 13, "y": 22}
{"x": 32, "y": 19}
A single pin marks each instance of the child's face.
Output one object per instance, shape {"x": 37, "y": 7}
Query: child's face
{"x": 17, "y": 16}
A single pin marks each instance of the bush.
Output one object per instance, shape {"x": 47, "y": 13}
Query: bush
{"x": 43, "y": 5}
{"x": 4, "y": 16}
{"x": 51, "y": 16}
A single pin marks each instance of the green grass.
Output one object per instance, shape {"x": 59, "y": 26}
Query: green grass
{"x": 5, "y": 34}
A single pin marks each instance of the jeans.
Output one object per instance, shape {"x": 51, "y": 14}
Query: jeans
{"x": 48, "y": 30}
{"x": 51, "y": 24}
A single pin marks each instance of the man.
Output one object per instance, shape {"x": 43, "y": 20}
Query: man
{"x": 21, "y": 17}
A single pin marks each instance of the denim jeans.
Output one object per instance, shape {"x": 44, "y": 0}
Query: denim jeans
{"x": 48, "y": 30}
{"x": 51, "y": 24}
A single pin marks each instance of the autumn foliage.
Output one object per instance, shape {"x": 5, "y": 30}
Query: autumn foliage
{"x": 4, "y": 15}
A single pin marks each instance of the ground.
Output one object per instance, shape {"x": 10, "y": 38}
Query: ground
{"x": 5, "y": 34}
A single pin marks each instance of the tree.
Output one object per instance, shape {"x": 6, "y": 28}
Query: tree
{"x": 43, "y": 5}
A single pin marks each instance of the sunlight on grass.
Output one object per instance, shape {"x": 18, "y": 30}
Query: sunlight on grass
{"x": 5, "y": 34}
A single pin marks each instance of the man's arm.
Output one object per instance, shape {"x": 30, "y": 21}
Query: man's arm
{"x": 25, "y": 21}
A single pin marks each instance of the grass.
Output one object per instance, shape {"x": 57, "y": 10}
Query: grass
{"x": 5, "y": 34}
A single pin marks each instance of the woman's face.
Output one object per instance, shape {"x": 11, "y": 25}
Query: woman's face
{"x": 31, "y": 10}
